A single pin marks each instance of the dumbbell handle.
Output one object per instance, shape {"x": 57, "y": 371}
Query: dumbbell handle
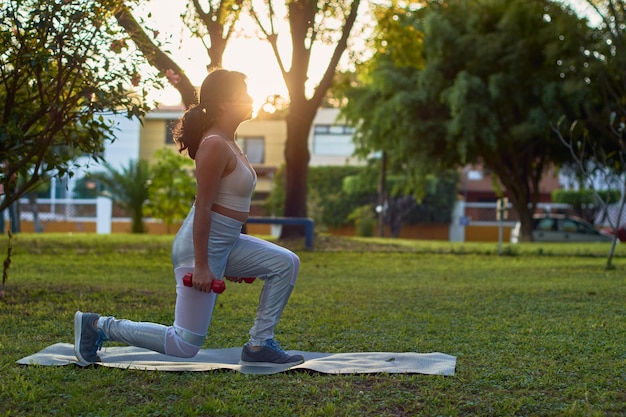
{"x": 217, "y": 286}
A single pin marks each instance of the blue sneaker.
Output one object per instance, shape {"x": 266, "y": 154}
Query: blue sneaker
{"x": 268, "y": 354}
{"x": 87, "y": 338}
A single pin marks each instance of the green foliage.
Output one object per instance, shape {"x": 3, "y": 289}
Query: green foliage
{"x": 588, "y": 203}
{"x": 336, "y": 192}
{"x": 328, "y": 180}
{"x": 59, "y": 77}
{"x": 582, "y": 198}
{"x": 606, "y": 128}
{"x": 364, "y": 220}
{"x": 438, "y": 202}
{"x": 328, "y": 205}
{"x": 128, "y": 187}
{"x": 495, "y": 75}
{"x": 396, "y": 35}
{"x": 274, "y": 204}
{"x": 326, "y": 194}
{"x": 172, "y": 187}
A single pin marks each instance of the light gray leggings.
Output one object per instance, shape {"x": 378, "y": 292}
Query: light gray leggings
{"x": 231, "y": 254}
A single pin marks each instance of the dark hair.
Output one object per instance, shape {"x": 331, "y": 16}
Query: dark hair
{"x": 220, "y": 85}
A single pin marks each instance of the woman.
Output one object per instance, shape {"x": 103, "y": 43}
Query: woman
{"x": 209, "y": 244}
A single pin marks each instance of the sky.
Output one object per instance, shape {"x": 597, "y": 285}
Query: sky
{"x": 251, "y": 55}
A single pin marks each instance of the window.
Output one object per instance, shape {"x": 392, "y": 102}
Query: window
{"x": 254, "y": 148}
{"x": 333, "y": 140}
{"x": 169, "y": 136}
{"x": 568, "y": 226}
{"x": 545, "y": 225}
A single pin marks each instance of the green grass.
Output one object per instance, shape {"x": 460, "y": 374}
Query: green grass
{"x": 539, "y": 332}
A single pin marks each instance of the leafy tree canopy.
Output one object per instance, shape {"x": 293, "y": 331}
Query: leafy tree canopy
{"x": 493, "y": 76}
{"x": 59, "y": 74}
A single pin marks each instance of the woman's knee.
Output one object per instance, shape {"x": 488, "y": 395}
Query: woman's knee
{"x": 292, "y": 262}
{"x": 296, "y": 262}
{"x": 188, "y": 351}
{"x": 182, "y": 349}
{"x": 175, "y": 345}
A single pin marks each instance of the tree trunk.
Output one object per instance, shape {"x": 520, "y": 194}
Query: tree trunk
{"x": 302, "y": 16}
{"x": 297, "y": 157}
{"x": 523, "y": 195}
{"x": 137, "y": 225}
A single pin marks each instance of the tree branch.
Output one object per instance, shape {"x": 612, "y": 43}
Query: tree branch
{"x": 155, "y": 56}
{"x": 327, "y": 79}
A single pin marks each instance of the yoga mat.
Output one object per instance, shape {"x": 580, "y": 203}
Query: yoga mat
{"x": 129, "y": 357}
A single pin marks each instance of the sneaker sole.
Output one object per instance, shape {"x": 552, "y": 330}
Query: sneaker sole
{"x": 78, "y": 330}
{"x": 271, "y": 364}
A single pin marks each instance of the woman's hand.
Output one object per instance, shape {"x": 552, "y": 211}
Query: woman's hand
{"x": 202, "y": 279}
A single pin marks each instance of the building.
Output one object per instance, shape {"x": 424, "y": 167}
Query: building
{"x": 263, "y": 141}
{"x": 330, "y": 143}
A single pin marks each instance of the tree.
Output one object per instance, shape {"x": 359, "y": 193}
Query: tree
{"x": 128, "y": 188}
{"x": 57, "y": 78}
{"x": 495, "y": 75}
{"x": 215, "y": 20}
{"x": 597, "y": 141}
{"x": 310, "y": 22}
{"x": 217, "y": 23}
{"x": 595, "y": 166}
{"x": 154, "y": 55}
{"x": 172, "y": 187}
{"x": 606, "y": 70}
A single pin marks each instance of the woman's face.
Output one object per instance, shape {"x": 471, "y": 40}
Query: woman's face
{"x": 241, "y": 106}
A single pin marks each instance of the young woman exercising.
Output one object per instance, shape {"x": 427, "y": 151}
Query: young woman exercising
{"x": 209, "y": 244}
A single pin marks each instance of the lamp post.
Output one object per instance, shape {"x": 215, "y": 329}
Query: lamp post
{"x": 382, "y": 194}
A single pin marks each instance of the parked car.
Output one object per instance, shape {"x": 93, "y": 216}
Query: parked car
{"x": 561, "y": 228}
{"x": 621, "y": 232}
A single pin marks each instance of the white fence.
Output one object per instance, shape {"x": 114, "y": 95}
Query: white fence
{"x": 80, "y": 210}
{"x": 485, "y": 214}
{"x": 101, "y": 211}
{"x": 48, "y": 210}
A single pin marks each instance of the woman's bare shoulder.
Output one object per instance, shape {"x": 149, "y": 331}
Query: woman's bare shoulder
{"x": 212, "y": 144}
{"x": 213, "y": 140}
{"x": 213, "y": 151}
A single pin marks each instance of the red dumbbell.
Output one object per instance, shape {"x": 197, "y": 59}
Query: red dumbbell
{"x": 247, "y": 280}
{"x": 217, "y": 285}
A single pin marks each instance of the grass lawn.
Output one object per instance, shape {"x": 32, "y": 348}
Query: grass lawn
{"x": 538, "y": 332}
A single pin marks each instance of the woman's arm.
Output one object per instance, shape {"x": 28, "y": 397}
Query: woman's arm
{"x": 212, "y": 159}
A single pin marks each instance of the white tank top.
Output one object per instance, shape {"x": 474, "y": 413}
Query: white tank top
{"x": 236, "y": 188}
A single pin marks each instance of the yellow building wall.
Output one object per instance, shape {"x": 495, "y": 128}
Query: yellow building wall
{"x": 152, "y": 138}
{"x": 275, "y": 134}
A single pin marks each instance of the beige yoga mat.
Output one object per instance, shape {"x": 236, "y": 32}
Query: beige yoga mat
{"x": 213, "y": 359}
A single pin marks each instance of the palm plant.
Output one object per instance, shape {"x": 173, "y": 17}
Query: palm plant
{"x": 128, "y": 188}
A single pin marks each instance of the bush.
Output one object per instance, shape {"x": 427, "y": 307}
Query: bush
{"x": 336, "y": 192}
{"x": 585, "y": 202}
{"x": 585, "y": 198}
{"x": 364, "y": 220}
